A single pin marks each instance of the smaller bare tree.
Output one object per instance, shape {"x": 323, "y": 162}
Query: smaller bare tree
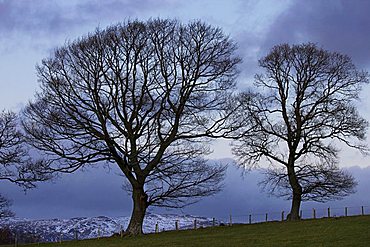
{"x": 16, "y": 163}
{"x": 304, "y": 106}
{"x": 5, "y": 207}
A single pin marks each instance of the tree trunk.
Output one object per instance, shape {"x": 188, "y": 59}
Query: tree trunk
{"x": 297, "y": 195}
{"x": 296, "y": 205}
{"x": 139, "y": 198}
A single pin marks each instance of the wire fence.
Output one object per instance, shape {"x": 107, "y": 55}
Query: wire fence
{"x": 314, "y": 213}
{"x": 79, "y": 231}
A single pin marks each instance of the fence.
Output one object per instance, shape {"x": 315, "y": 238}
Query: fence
{"x": 253, "y": 218}
{"x": 314, "y": 213}
{"x": 175, "y": 222}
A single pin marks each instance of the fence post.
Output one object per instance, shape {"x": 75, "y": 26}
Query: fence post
{"x": 60, "y": 237}
{"x": 213, "y": 222}
{"x": 346, "y": 211}
{"x": 156, "y": 228}
{"x": 76, "y": 235}
{"x": 362, "y": 210}
{"x": 16, "y": 240}
{"x": 177, "y": 225}
{"x": 250, "y": 219}
{"x": 282, "y": 216}
{"x": 121, "y": 231}
{"x": 314, "y": 213}
{"x": 195, "y": 224}
{"x": 230, "y": 221}
{"x": 328, "y": 212}
{"x": 266, "y": 217}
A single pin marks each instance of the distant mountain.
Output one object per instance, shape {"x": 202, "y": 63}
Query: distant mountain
{"x": 52, "y": 230}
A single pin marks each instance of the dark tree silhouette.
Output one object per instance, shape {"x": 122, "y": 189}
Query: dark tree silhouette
{"x": 16, "y": 165}
{"x": 5, "y": 207}
{"x": 146, "y": 96}
{"x": 304, "y": 108}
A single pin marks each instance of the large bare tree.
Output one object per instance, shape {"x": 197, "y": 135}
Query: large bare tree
{"x": 145, "y": 96}
{"x": 304, "y": 107}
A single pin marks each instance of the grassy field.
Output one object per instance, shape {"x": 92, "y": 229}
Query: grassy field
{"x": 349, "y": 231}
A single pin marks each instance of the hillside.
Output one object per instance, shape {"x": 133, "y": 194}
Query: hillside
{"x": 344, "y": 231}
{"x": 51, "y": 230}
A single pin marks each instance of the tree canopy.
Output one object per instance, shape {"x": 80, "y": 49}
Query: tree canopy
{"x": 16, "y": 163}
{"x": 146, "y": 96}
{"x": 303, "y": 105}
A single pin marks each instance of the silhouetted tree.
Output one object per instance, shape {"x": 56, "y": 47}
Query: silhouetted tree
{"x": 10, "y": 235}
{"x": 5, "y": 207}
{"x": 304, "y": 107}
{"x": 146, "y": 96}
{"x": 6, "y": 236}
{"x": 16, "y": 164}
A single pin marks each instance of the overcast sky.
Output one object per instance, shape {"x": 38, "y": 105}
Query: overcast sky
{"x": 99, "y": 192}
{"x": 30, "y": 30}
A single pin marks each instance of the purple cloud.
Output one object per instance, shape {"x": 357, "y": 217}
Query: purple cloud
{"x": 341, "y": 26}
{"x": 99, "y": 192}
{"x": 43, "y": 17}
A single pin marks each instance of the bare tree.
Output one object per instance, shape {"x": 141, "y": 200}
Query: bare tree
{"x": 5, "y": 207}
{"x": 16, "y": 163}
{"x": 304, "y": 108}
{"x": 145, "y": 96}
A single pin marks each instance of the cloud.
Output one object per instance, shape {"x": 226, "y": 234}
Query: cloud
{"x": 99, "y": 192}
{"x": 34, "y": 17}
{"x": 96, "y": 191}
{"x": 54, "y": 16}
{"x": 253, "y": 20}
{"x": 338, "y": 25}
{"x": 41, "y": 21}
{"x": 113, "y": 9}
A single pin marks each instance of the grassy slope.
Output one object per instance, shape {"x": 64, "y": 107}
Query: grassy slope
{"x": 349, "y": 231}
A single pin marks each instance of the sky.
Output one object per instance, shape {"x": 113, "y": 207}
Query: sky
{"x": 31, "y": 29}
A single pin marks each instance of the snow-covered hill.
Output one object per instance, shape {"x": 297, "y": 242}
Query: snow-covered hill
{"x": 51, "y": 230}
